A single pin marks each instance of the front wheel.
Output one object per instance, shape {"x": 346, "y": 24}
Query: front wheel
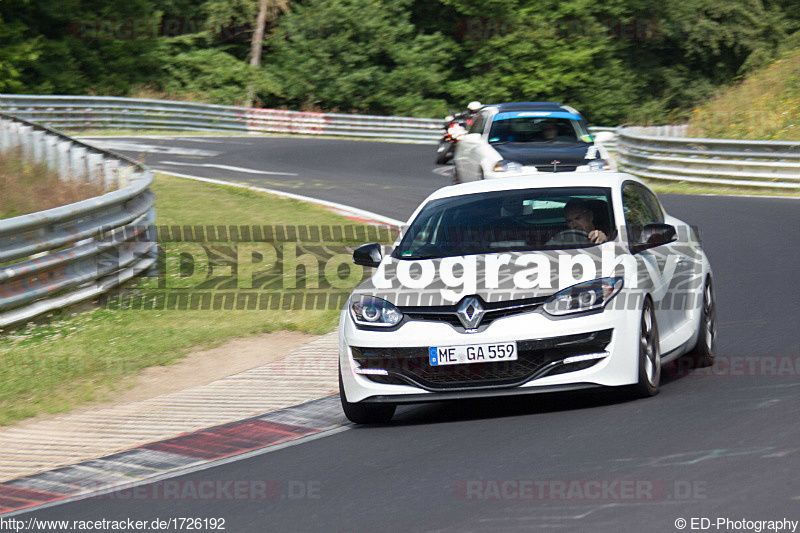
{"x": 364, "y": 413}
{"x": 649, "y": 354}
{"x": 703, "y": 351}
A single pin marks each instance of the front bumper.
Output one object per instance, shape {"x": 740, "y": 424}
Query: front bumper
{"x": 543, "y": 344}
{"x": 474, "y": 394}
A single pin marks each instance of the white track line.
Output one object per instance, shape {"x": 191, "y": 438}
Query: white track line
{"x": 346, "y": 209}
{"x": 228, "y": 167}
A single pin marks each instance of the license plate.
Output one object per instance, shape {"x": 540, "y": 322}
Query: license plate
{"x": 472, "y": 353}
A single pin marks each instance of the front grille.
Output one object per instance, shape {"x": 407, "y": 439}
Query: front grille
{"x": 536, "y": 358}
{"x": 559, "y": 168}
{"x": 493, "y": 311}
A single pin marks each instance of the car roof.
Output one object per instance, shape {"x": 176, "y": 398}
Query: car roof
{"x": 613, "y": 180}
{"x": 528, "y": 106}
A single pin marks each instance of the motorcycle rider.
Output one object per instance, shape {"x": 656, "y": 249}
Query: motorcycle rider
{"x": 455, "y": 127}
{"x": 469, "y": 114}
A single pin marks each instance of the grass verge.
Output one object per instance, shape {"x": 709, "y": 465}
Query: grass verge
{"x": 74, "y": 357}
{"x": 686, "y": 187}
{"x": 27, "y": 187}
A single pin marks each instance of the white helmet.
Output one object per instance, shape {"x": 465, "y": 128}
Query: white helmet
{"x": 474, "y": 105}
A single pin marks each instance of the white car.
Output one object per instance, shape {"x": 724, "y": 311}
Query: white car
{"x": 527, "y": 138}
{"x": 521, "y": 286}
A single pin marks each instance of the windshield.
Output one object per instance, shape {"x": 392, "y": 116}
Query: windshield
{"x": 519, "y": 220}
{"x": 519, "y": 128}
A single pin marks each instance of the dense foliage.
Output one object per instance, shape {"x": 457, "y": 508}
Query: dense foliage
{"x": 765, "y": 106}
{"x": 616, "y": 60}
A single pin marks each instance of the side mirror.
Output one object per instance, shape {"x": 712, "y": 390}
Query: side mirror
{"x": 368, "y": 255}
{"x": 655, "y": 235}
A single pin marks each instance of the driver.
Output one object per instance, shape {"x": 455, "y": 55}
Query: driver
{"x": 579, "y": 216}
{"x": 549, "y": 130}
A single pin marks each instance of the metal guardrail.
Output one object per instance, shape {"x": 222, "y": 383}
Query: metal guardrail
{"x": 54, "y": 258}
{"x": 657, "y": 154}
{"x": 89, "y": 112}
{"x": 104, "y": 112}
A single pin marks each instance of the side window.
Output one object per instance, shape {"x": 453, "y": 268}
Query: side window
{"x": 426, "y": 233}
{"x": 479, "y": 123}
{"x": 638, "y": 210}
{"x": 652, "y": 204}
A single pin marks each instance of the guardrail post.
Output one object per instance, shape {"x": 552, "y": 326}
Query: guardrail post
{"x": 94, "y": 168}
{"x": 78, "y": 162}
{"x": 5, "y": 135}
{"x": 110, "y": 170}
{"x": 51, "y": 152}
{"x": 123, "y": 176}
{"x": 26, "y": 138}
{"x": 38, "y": 145}
{"x": 62, "y": 155}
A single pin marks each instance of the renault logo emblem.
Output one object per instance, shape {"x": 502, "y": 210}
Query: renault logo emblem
{"x": 470, "y": 312}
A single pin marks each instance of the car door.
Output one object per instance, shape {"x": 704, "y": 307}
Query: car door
{"x": 467, "y": 154}
{"x": 656, "y": 265}
{"x": 685, "y": 287}
{"x": 485, "y": 154}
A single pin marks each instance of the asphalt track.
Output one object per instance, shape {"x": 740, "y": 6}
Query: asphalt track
{"x": 718, "y": 444}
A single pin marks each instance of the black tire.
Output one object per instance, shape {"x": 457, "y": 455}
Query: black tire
{"x": 444, "y": 152}
{"x": 365, "y": 413}
{"x": 703, "y": 352}
{"x": 649, "y": 354}
{"x": 456, "y": 177}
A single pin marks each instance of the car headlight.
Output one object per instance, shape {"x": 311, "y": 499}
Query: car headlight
{"x": 599, "y": 164}
{"x": 507, "y": 166}
{"x": 372, "y": 311}
{"x": 586, "y": 296}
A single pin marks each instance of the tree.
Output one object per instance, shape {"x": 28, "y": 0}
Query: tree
{"x": 359, "y": 55}
{"x": 83, "y": 45}
{"x": 16, "y": 53}
{"x": 268, "y": 10}
{"x": 556, "y": 50}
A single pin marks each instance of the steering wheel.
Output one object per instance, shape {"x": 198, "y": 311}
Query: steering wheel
{"x": 576, "y": 236}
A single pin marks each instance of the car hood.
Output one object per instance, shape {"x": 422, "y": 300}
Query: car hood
{"x": 545, "y": 153}
{"x": 561, "y": 270}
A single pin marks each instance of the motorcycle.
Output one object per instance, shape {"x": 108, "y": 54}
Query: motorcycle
{"x": 454, "y": 128}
